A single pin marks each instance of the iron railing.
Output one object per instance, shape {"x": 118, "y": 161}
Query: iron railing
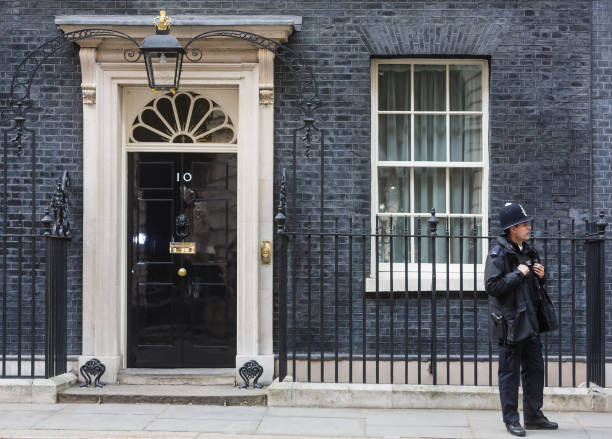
{"x": 357, "y": 306}
{"x": 33, "y": 298}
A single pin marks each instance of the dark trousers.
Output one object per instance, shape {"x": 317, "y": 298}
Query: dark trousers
{"x": 524, "y": 358}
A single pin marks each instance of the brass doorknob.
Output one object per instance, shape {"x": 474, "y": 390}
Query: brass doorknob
{"x": 182, "y": 272}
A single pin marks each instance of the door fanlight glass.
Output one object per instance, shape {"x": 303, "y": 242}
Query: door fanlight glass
{"x": 185, "y": 117}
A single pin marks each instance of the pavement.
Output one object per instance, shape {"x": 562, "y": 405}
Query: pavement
{"x": 91, "y": 421}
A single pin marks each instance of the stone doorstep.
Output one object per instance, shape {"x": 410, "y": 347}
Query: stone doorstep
{"x": 412, "y": 396}
{"x": 196, "y": 377}
{"x": 166, "y": 394}
{"x": 34, "y": 390}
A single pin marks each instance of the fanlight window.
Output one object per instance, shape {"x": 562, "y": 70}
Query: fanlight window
{"x": 185, "y": 117}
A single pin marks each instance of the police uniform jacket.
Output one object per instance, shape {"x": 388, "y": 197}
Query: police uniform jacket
{"x": 513, "y": 297}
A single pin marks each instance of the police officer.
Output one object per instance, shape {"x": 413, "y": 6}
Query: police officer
{"x": 513, "y": 275}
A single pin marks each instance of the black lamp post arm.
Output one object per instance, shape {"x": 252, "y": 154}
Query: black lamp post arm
{"x": 28, "y": 67}
{"x": 289, "y": 57}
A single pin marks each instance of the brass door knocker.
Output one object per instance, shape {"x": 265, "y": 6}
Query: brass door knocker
{"x": 182, "y": 226}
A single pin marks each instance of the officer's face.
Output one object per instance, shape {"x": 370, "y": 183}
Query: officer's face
{"x": 521, "y": 232}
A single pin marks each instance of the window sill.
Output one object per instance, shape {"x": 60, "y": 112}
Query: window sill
{"x": 454, "y": 282}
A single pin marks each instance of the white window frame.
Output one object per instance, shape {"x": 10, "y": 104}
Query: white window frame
{"x": 384, "y": 268}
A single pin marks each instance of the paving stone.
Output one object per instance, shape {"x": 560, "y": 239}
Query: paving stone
{"x": 567, "y": 429}
{"x": 131, "y": 409}
{"x": 316, "y": 412}
{"x": 213, "y": 422}
{"x": 599, "y": 433}
{"x": 23, "y": 418}
{"x": 594, "y": 419}
{"x": 235, "y": 425}
{"x": 283, "y": 425}
{"x": 212, "y": 412}
{"x": 439, "y": 418}
{"x": 80, "y": 434}
{"x": 392, "y": 430}
{"x": 97, "y": 421}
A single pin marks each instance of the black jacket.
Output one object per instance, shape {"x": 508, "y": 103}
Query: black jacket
{"x": 513, "y": 297}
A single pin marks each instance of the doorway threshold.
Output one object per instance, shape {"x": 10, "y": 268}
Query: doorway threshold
{"x": 223, "y": 395}
{"x": 181, "y": 376}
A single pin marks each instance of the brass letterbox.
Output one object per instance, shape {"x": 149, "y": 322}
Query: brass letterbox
{"x": 185, "y": 248}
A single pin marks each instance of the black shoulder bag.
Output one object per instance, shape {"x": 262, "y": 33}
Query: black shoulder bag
{"x": 547, "y": 315}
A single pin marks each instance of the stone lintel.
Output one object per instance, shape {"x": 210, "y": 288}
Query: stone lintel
{"x": 184, "y": 28}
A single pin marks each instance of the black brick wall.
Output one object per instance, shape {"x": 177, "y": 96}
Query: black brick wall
{"x": 601, "y": 116}
{"x": 550, "y": 85}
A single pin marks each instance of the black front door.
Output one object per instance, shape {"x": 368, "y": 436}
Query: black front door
{"x": 181, "y": 307}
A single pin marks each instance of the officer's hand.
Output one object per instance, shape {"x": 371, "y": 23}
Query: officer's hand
{"x": 538, "y": 270}
{"x": 524, "y": 269}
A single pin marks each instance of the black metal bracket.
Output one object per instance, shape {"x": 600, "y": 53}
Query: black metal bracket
{"x": 20, "y": 102}
{"x": 308, "y": 101}
{"x": 95, "y": 368}
{"x": 251, "y": 369}
{"x": 23, "y": 77}
{"x": 290, "y": 58}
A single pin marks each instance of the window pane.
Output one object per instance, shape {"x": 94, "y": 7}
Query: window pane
{"x": 465, "y": 88}
{"x": 429, "y": 88}
{"x": 462, "y": 246}
{"x": 429, "y": 138}
{"x": 394, "y": 137}
{"x": 401, "y": 244}
{"x": 466, "y": 137}
{"x": 393, "y": 190}
{"x": 424, "y": 247}
{"x": 466, "y": 190}
{"x": 394, "y": 87}
{"x": 429, "y": 189}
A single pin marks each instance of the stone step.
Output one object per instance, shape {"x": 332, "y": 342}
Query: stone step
{"x": 177, "y": 377}
{"x": 226, "y": 395}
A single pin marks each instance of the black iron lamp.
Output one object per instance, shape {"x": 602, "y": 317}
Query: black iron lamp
{"x": 163, "y": 56}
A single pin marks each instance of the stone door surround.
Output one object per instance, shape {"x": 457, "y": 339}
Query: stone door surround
{"x": 105, "y": 77}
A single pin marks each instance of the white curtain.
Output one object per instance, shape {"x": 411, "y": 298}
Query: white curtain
{"x": 430, "y": 137}
{"x": 394, "y": 95}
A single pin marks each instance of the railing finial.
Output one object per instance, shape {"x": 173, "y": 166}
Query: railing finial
{"x": 602, "y": 224}
{"x": 56, "y": 218}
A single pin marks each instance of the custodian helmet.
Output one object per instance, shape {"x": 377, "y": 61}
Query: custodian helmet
{"x": 511, "y": 215}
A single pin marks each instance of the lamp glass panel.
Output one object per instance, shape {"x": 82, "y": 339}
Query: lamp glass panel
{"x": 163, "y": 69}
